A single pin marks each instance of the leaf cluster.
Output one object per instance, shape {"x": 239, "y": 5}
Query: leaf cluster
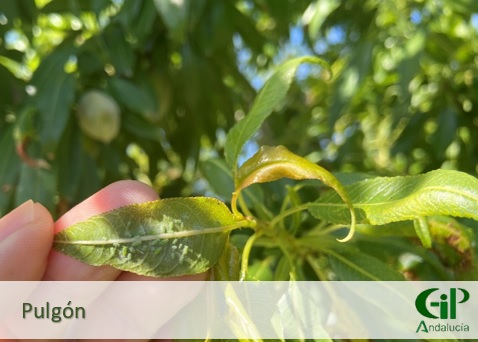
{"x": 171, "y": 69}
{"x": 392, "y": 113}
{"x": 396, "y": 97}
{"x": 287, "y": 244}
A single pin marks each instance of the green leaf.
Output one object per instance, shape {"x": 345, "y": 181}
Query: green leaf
{"x": 36, "y": 184}
{"x": 120, "y": 51}
{"x": 383, "y": 200}
{"x": 69, "y": 165}
{"x": 261, "y": 269}
{"x": 401, "y": 254}
{"x": 362, "y": 267}
{"x": 283, "y": 269}
{"x": 56, "y": 91}
{"x": 228, "y": 266}
{"x": 445, "y": 134}
{"x": 402, "y": 228}
{"x": 143, "y": 26}
{"x": 298, "y": 311}
{"x": 25, "y": 125}
{"x": 162, "y": 238}
{"x": 90, "y": 181}
{"x": 423, "y": 231}
{"x": 73, "y": 6}
{"x": 133, "y": 97}
{"x": 316, "y": 14}
{"x": 442, "y": 229}
{"x": 174, "y": 15}
{"x": 271, "y": 95}
{"x": 273, "y": 163}
{"x": 138, "y": 125}
{"x": 219, "y": 177}
{"x": 448, "y": 230}
{"x": 9, "y": 168}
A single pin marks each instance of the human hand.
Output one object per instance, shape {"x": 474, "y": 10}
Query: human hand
{"x": 26, "y": 237}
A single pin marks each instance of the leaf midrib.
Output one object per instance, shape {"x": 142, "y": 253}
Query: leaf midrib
{"x": 144, "y": 238}
{"x": 365, "y": 204}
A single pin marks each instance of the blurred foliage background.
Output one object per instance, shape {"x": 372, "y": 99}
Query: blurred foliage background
{"x": 403, "y": 98}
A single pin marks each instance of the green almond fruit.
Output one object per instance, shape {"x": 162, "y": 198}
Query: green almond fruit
{"x": 99, "y": 116}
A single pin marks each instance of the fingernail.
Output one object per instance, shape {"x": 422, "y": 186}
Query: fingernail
{"x": 16, "y": 219}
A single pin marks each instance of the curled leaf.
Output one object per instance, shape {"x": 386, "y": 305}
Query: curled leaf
{"x": 384, "y": 200}
{"x": 273, "y": 163}
{"x": 163, "y": 238}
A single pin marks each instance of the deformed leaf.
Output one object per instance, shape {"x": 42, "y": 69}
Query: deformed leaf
{"x": 163, "y": 238}
{"x": 383, "y": 200}
{"x": 448, "y": 230}
{"x": 273, "y": 163}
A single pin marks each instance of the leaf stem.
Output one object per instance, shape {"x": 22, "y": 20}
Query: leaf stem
{"x": 286, "y": 213}
{"x": 174, "y": 235}
{"x": 245, "y": 255}
{"x": 318, "y": 272}
{"x": 243, "y": 205}
{"x": 237, "y": 215}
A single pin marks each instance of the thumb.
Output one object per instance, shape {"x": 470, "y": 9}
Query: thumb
{"x": 26, "y": 237}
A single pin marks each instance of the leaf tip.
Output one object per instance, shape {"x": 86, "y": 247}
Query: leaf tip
{"x": 353, "y": 222}
{"x": 348, "y": 237}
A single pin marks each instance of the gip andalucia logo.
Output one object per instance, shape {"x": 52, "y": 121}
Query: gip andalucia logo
{"x": 445, "y": 308}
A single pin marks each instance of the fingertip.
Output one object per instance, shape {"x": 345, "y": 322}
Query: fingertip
{"x": 24, "y": 252}
{"x": 113, "y": 196}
